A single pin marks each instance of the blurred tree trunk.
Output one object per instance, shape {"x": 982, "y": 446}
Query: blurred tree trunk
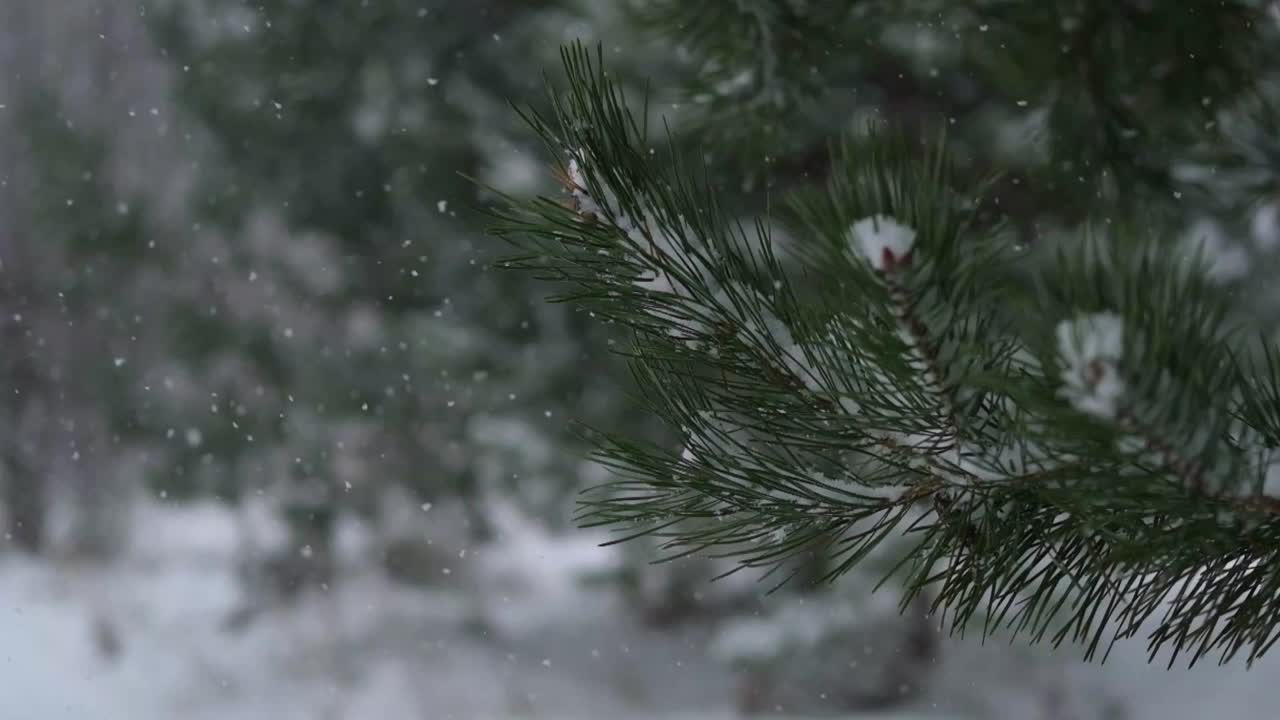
{"x": 25, "y": 503}
{"x": 24, "y": 491}
{"x": 21, "y": 489}
{"x": 307, "y": 561}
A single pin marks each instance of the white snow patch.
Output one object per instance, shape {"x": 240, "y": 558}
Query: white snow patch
{"x": 1265, "y": 226}
{"x": 1091, "y": 347}
{"x": 882, "y": 240}
{"x": 373, "y": 649}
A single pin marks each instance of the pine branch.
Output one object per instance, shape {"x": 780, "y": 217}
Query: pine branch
{"x": 1103, "y": 466}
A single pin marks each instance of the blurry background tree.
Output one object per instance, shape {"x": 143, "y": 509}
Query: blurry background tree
{"x": 73, "y": 267}
{"x": 374, "y": 345}
{"x": 77, "y": 246}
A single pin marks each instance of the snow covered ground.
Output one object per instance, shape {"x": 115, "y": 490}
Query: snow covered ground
{"x": 147, "y": 638}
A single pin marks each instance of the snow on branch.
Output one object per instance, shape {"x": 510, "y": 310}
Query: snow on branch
{"x": 1091, "y": 347}
{"x": 886, "y": 243}
{"x": 759, "y": 328}
{"x": 889, "y": 246}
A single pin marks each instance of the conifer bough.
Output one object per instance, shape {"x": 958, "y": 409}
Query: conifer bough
{"x": 1084, "y": 453}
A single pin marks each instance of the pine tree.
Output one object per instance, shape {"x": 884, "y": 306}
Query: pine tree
{"x": 997, "y": 348}
{"x": 70, "y": 241}
{"x": 352, "y": 326}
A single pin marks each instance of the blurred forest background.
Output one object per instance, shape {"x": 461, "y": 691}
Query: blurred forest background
{"x": 279, "y": 440}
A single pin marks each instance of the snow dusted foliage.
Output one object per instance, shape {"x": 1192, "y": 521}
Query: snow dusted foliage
{"x": 769, "y": 330}
{"x": 577, "y": 188}
{"x": 1091, "y": 347}
{"x": 885, "y": 242}
{"x": 657, "y": 249}
{"x": 889, "y": 246}
{"x": 650, "y": 245}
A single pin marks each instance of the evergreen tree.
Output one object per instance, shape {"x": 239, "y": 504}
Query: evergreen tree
{"x": 1002, "y": 355}
{"x": 352, "y": 315}
{"x": 70, "y": 242}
